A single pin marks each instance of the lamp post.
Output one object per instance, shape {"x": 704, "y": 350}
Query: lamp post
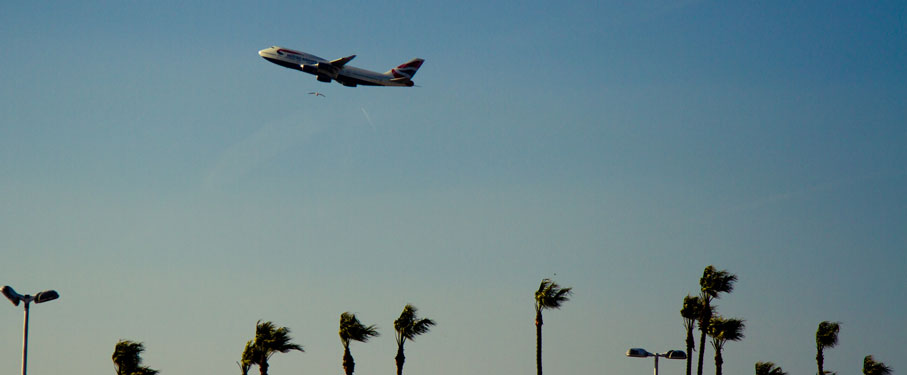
{"x": 670, "y": 354}
{"x": 15, "y": 298}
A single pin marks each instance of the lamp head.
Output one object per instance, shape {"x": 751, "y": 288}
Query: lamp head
{"x": 638, "y": 352}
{"x": 47, "y": 295}
{"x": 675, "y": 354}
{"x": 11, "y": 294}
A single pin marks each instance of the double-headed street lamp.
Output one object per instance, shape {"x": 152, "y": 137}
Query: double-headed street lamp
{"x": 15, "y": 298}
{"x": 670, "y": 354}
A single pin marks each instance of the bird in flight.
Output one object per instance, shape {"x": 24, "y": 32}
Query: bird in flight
{"x": 317, "y": 94}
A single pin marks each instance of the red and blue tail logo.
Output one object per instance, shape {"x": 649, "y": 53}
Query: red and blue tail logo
{"x": 407, "y": 69}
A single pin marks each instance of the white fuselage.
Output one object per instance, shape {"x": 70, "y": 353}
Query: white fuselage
{"x": 326, "y": 71}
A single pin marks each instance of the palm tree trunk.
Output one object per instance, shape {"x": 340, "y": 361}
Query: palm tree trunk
{"x": 701, "y": 350}
{"x": 820, "y": 360}
{"x": 538, "y": 341}
{"x": 705, "y": 315}
{"x": 400, "y": 358}
{"x": 263, "y": 367}
{"x": 718, "y": 362}
{"x": 690, "y": 343}
{"x": 348, "y": 364}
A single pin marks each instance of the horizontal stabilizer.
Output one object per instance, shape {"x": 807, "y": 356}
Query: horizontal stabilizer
{"x": 403, "y": 80}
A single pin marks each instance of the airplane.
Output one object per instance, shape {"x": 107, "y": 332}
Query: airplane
{"x": 337, "y": 70}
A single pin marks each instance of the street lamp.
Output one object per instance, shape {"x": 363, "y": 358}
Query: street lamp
{"x": 670, "y": 354}
{"x": 15, "y": 298}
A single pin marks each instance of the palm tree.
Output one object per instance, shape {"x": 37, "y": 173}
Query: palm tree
{"x": 268, "y": 340}
{"x": 247, "y": 359}
{"x": 407, "y": 327}
{"x": 690, "y": 312}
{"x": 127, "y": 359}
{"x": 712, "y": 283}
{"x": 549, "y": 296}
{"x": 768, "y": 368}
{"x": 826, "y": 337}
{"x": 352, "y": 330}
{"x": 871, "y": 367}
{"x": 722, "y": 330}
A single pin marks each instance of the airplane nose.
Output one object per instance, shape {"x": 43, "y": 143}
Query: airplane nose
{"x": 262, "y": 53}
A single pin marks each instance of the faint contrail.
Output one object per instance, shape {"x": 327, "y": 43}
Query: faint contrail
{"x": 269, "y": 141}
{"x": 369, "y": 118}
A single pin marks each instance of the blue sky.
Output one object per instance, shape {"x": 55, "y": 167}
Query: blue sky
{"x": 175, "y": 188}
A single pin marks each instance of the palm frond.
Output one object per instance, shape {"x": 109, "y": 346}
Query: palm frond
{"x": 550, "y": 295}
{"x": 872, "y": 367}
{"x": 127, "y": 359}
{"x": 127, "y": 356}
{"x": 249, "y": 357}
{"x": 351, "y": 329}
{"x": 406, "y": 318}
{"x": 768, "y": 368}
{"x": 409, "y": 325}
{"x": 692, "y": 305}
{"x": 691, "y": 311}
{"x": 421, "y": 326}
{"x": 714, "y": 281}
{"x": 280, "y": 341}
{"x": 722, "y": 330}
{"x": 827, "y": 334}
{"x": 269, "y": 339}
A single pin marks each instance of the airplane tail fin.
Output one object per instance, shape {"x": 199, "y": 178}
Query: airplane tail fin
{"x": 406, "y": 70}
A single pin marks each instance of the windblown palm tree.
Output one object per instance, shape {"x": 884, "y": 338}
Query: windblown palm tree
{"x": 127, "y": 359}
{"x": 268, "y": 340}
{"x": 826, "y": 337}
{"x": 690, "y": 312}
{"x": 248, "y": 358}
{"x": 407, "y": 327}
{"x": 871, "y": 367}
{"x": 712, "y": 283}
{"x": 722, "y": 330}
{"x": 549, "y": 296}
{"x": 768, "y": 368}
{"x": 352, "y": 330}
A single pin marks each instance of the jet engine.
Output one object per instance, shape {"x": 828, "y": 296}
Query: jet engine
{"x": 311, "y": 69}
{"x": 327, "y": 69}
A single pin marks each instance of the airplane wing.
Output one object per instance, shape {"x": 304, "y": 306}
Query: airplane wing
{"x": 342, "y": 61}
{"x": 326, "y": 71}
